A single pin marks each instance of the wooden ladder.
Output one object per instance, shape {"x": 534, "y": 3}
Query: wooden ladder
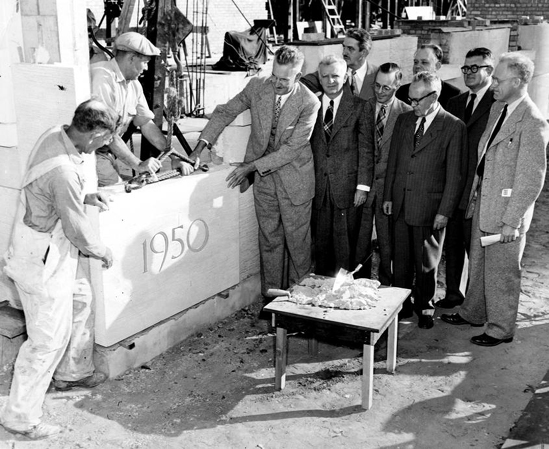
{"x": 334, "y": 19}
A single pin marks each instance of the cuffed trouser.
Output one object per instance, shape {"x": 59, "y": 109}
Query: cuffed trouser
{"x": 418, "y": 250}
{"x": 284, "y": 229}
{"x": 493, "y": 293}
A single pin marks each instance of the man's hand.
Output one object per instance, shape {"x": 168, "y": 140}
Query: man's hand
{"x": 107, "y": 259}
{"x": 440, "y": 222}
{"x": 508, "y": 234}
{"x": 388, "y": 207}
{"x": 151, "y": 165}
{"x": 195, "y": 155}
{"x": 184, "y": 167}
{"x": 360, "y": 197}
{"x": 239, "y": 174}
{"x": 100, "y": 200}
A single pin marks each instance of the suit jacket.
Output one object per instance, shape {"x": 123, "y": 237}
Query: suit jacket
{"x": 426, "y": 180}
{"x": 446, "y": 92}
{"x": 514, "y": 168}
{"x": 345, "y": 160}
{"x": 292, "y": 159}
{"x": 381, "y": 153}
{"x": 475, "y": 128}
{"x": 312, "y": 81}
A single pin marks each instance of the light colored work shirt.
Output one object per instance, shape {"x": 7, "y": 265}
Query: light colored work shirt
{"x": 57, "y": 195}
{"x": 125, "y": 97}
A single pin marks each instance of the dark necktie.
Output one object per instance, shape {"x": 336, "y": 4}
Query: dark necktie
{"x": 278, "y": 107}
{"x": 354, "y": 84}
{"x": 469, "y": 108}
{"x": 480, "y": 168}
{"x": 379, "y": 124}
{"x": 419, "y": 133}
{"x": 329, "y": 120}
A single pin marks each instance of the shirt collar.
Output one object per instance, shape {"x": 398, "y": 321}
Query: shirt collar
{"x": 480, "y": 94}
{"x": 116, "y": 69}
{"x": 512, "y": 106}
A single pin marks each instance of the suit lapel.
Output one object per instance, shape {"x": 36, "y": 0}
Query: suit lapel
{"x": 265, "y": 104}
{"x": 510, "y": 124}
{"x": 394, "y": 112}
{"x": 484, "y": 105}
{"x": 432, "y": 132}
{"x": 289, "y": 111}
{"x": 344, "y": 110}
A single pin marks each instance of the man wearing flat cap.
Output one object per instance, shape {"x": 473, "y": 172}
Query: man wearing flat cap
{"x": 115, "y": 82}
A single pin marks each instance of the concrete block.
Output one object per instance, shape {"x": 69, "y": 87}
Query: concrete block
{"x": 12, "y": 335}
{"x": 231, "y": 144}
{"x": 138, "y": 349}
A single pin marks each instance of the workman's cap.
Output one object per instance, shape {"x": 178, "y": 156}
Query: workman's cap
{"x": 137, "y": 43}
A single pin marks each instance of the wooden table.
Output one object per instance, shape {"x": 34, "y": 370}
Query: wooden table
{"x": 345, "y": 325}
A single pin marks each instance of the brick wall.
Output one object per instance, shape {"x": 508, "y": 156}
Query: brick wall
{"x": 505, "y": 9}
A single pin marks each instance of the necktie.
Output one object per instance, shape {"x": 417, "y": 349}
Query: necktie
{"x": 329, "y": 120}
{"x": 278, "y": 106}
{"x": 480, "y": 168}
{"x": 379, "y": 124}
{"x": 354, "y": 84}
{"x": 469, "y": 108}
{"x": 419, "y": 133}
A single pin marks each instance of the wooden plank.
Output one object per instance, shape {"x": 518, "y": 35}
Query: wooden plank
{"x": 125, "y": 17}
{"x": 175, "y": 243}
{"x": 281, "y": 358}
{"x": 72, "y": 32}
{"x": 367, "y": 376}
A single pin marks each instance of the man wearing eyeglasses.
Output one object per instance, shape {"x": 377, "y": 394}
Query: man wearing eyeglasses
{"x": 473, "y": 107}
{"x": 382, "y": 113}
{"x": 357, "y": 45}
{"x": 428, "y": 58}
{"x": 422, "y": 188}
{"x": 508, "y": 179}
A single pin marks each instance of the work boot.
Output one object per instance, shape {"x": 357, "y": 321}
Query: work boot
{"x": 87, "y": 382}
{"x": 37, "y": 432}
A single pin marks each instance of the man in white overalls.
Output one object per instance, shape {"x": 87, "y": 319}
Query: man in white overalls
{"x": 50, "y": 228}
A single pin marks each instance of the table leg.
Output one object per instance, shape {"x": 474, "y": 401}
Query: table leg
{"x": 281, "y": 358}
{"x": 392, "y": 345}
{"x": 367, "y": 376}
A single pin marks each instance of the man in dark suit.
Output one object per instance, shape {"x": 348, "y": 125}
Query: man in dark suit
{"x": 473, "y": 107}
{"x": 508, "y": 179}
{"x": 343, "y": 168}
{"x": 428, "y": 58}
{"x": 381, "y": 112}
{"x": 278, "y": 153}
{"x": 360, "y": 73}
{"x": 422, "y": 188}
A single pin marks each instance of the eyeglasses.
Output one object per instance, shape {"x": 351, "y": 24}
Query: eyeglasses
{"x": 385, "y": 89}
{"x": 415, "y": 101}
{"x": 498, "y": 81}
{"x": 472, "y": 68}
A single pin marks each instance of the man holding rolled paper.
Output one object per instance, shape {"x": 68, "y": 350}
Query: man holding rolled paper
{"x": 509, "y": 177}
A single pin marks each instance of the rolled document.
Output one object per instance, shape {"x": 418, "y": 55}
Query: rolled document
{"x": 491, "y": 239}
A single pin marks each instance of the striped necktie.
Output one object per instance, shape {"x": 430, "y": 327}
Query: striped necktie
{"x": 329, "y": 120}
{"x": 380, "y": 124}
{"x": 419, "y": 133}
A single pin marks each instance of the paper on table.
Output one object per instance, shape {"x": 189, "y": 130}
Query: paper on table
{"x": 491, "y": 239}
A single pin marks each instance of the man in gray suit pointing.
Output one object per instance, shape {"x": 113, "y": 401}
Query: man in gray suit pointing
{"x": 279, "y": 156}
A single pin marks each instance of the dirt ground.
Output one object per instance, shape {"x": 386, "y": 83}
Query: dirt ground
{"x": 215, "y": 390}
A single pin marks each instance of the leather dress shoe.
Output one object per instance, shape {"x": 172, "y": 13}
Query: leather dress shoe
{"x": 457, "y": 320}
{"x": 425, "y": 322}
{"x": 448, "y": 303}
{"x": 486, "y": 340}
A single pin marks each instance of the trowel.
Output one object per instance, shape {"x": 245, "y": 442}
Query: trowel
{"x": 343, "y": 275}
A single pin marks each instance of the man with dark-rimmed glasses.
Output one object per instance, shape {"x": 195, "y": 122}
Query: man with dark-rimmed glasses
{"x": 473, "y": 107}
{"x": 422, "y": 188}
